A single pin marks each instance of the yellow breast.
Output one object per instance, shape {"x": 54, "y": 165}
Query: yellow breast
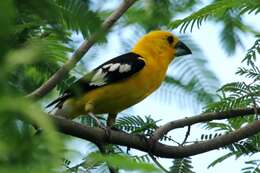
{"x": 116, "y": 97}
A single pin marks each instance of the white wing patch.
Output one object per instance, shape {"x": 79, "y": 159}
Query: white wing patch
{"x": 124, "y": 68}
{"x": 114, "y": 67}
{"x": 107, "y": 65}
{"x": 99, "y": 78}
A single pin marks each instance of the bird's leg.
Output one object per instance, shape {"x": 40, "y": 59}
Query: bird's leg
{"x": 97, "y": 120}
{"x": 88, "y": 108}
{"x": 110, "y": 122}
{"x": 105, "y": 128}
{"x": 111, "y": 119}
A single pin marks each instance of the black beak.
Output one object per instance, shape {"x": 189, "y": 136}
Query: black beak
{"x": 182, "y": 49}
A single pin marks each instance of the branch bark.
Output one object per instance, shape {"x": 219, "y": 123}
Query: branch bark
{"x": 47, "y": 86}
{"x": 161, "y": 150}
{"x": 205, "y": 117}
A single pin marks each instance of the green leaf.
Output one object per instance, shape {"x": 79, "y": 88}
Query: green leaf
{"x": 76, "y": 15}
{"x": 32, "y": 153}
{"x": 183, "y": 165}
{"x": 122, "y": 162}
{"x": 214, "y": 9}
{"x": 221, "y": 159}
{"x": 250, "y": 57}
{"x": 6, "y": 18}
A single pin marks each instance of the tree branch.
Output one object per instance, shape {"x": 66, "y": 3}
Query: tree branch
{"x": 47, "y": 86}
{"x": 205, "y": 117}
{"x": 97, "y": 135}
{"x": 158, "y": 164}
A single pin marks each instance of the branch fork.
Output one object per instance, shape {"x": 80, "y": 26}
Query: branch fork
{"x": 97, "y": 135}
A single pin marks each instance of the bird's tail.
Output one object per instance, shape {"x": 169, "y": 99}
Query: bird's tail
{"x": 59, "y": 101}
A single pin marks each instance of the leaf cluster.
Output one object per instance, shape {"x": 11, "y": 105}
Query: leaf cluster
{"x": 240, "y": 95}
{"x": 34, "y": 42}
{"x": 213, "y": 10}
{"x": 183, "y": 165}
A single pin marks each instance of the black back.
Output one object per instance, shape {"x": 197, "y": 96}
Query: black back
{"x": 105, "y": 74}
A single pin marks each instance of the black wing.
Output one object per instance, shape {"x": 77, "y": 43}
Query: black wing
{"x": 114, "y": 70}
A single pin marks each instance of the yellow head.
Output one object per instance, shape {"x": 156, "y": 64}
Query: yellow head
{"x": 161, "y": 44}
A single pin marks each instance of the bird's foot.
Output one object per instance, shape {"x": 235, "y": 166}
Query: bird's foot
{"x": 107, "y": 131}
{"x": 99, "y": 124}
{"x": 102, "y": 126}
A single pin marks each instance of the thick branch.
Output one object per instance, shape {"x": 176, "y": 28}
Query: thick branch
{"x": 97, "y": 135}
{"x": 205, "y": 117}
{"x": 79, "y": 53}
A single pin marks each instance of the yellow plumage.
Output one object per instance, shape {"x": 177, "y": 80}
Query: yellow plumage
{"x": 157, "y": 51}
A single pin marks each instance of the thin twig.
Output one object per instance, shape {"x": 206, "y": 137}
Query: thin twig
{"x": 186, "y": 135}
{"x": 205, "y": 117}
{"x": 158, "y": 163}
{"x": 172, "y": 140}
{"x": 47, "y": 86}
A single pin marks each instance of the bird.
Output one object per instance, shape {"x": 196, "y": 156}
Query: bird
{"x": 122, "y": 81}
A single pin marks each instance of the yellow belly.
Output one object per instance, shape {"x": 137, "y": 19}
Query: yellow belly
{"x": 118, "y": 96}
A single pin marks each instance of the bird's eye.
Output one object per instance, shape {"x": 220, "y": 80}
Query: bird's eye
{"x": 170, "y": 39}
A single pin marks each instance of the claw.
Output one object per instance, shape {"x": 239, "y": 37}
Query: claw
{"x": 100, "y": 125}
{"x": 107, "y": 131}
{"x": 96, "y": 120}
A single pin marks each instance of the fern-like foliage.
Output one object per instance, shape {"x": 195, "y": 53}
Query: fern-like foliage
{"x": 238, "y": 149}
{"x": 248, "y": 146}
{"x": 235, "y": 95}
{"x": 183, "y": 165}
{"x": 252, "y": 73}
{"x": 50, "y": 30}
{"x": 145, "y": 13}
{"x": 136, "y": 124}
{"x": 241, "y": 94}
{"x": 96, "y": 161}
{"x": 142, "y": 126}
{"x": 214, "y": 9}
{"x": 233, "y": 25}
{"x": 250, "y": 57}
{"x": 51, "y": 54}
{"x": 76, "y": 15}
{"x": 252, "y": 166}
